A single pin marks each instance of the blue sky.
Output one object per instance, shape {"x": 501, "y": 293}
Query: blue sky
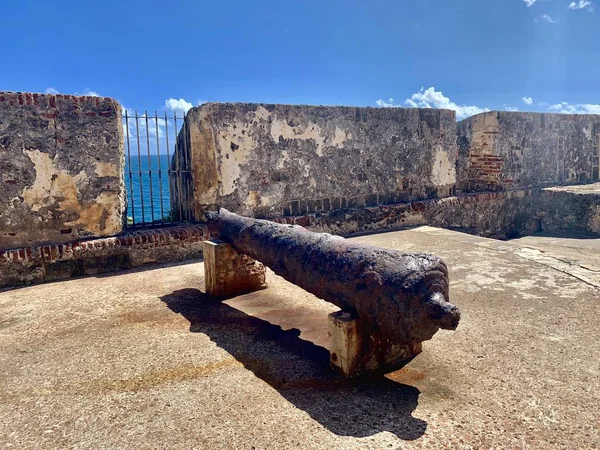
{"x": 469, "y": 55}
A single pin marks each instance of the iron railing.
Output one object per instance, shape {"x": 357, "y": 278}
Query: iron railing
{"x": 157, "y": 169}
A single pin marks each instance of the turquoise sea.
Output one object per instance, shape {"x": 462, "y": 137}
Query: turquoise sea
{"x": 147, "y": 178}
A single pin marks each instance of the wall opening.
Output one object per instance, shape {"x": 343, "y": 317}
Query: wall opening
{"x": 152, "y": 182}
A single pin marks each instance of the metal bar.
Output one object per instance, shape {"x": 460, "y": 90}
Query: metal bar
{"x": 177, "y": 169}
{"x": 162, "y": 214}
{"x": 129, "y": 171}
{"x": 186, "y": 161}
{"x": 137, "y": 135}
{"x": 149, "y": 167}
{"x": 169, "y": 168}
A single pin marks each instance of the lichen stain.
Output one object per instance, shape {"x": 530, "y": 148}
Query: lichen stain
{"x": 104, "y": 169}
{"x": 91, "y": 216}
{"x": 340, "y": 137}
{"x": 443, "y": 171}
{"x": 51, "y": 188}
{"x": 56, "y": 189}
{"x": 254, "y": 199}
{"x": 594, "y": 221}
{"x": 236, "y": 143}
{"x": 261, "y": 113}
{"x": 284, "y": 158}
{"x": 280, "y": 128}
{"x": 231, "y": 159}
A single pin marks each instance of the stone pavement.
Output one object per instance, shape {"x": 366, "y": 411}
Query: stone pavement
{"x": 143, "y": 359}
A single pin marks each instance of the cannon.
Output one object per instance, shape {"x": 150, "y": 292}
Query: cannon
{"x": 398, "y": 299}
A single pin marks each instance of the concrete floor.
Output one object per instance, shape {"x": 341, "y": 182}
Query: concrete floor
{"x": 143, "y": 360}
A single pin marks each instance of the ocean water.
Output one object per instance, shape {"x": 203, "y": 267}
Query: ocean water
{"x": 154, "y": 178}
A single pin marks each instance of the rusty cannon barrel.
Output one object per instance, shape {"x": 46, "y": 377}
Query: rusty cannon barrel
{"x": 402, "y": 298}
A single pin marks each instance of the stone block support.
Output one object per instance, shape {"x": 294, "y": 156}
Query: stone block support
{"x": 354, "y": 352}
{"x": 228, "y": 273}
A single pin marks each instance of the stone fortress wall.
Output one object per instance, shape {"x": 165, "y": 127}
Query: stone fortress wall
{"x": 501, "y": 150}
{"x": 61, "y": 168}
{"x": 341, "y": 170}
{"x": 274, "y": 160}
{"x": 279, "y": 160}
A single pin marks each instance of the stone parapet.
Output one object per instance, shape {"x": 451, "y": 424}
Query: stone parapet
{"x": 62, "y": 170}
{"x": 37, "y": 264}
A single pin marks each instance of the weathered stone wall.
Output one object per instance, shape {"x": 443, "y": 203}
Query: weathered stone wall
{"x": 503, "y": 150}
{"x": 61, "y": 160}
{"x": 39, "y": 264}
{"x": 571, "y": 209}
{"x": 499, "y": 215}
{"x": 272, "y": 160}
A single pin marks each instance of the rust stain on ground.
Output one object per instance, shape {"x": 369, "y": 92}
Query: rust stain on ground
{"x": 134, "y": 384}
{"x": 152, "y": 379}
{"x": 407, "y": 376}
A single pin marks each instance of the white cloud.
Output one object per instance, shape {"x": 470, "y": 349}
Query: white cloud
{"x": 88, "y": 93}
{"x": 178, "y": 105}
{"x": 567, "y": 108}
{"x": 430, "y": 98}
{"x": 386, "y": 104}
{"x": 138, "y": 125}
{"x": 547, "y": 18}
{"x": 510, "y": 108}
{"x": 529, "y": 2}
{"x": 582, "y": 4}
{"x": 527, "y": 100}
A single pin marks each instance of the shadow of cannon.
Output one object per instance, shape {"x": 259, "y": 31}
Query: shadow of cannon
{"x": 299, "y": 371}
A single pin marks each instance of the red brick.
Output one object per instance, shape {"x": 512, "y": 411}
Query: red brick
{"x": 418, "y": 206}
{"x": 303, "y": 221}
